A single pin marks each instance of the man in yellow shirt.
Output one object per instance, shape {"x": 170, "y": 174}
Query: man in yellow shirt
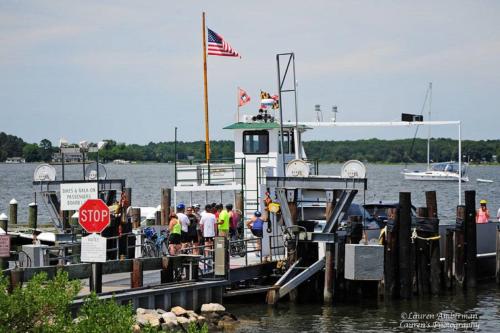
{"x": 223, "y": 222}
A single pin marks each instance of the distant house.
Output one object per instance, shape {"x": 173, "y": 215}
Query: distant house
{"x": 14, "y": 160}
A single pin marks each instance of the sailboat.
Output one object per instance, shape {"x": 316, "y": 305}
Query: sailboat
{"x": 447, "y": 171}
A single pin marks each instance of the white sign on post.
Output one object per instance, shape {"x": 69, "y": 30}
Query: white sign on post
{"x": 93, "y": 248}
{"x": 74, "y": 195}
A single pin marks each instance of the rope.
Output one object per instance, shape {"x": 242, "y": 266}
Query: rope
{"x": 415, "y": 235}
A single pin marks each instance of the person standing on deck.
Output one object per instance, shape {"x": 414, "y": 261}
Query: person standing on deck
{"x": 192, "y": 230}
{"x": 223, "y": 221}
{"x": 482, "y": 214}
{"x": 184, "y": 220}
{"x": 498, "y": 215}
{"x": 207, "y": 224}
{"x": 174, "y": 241}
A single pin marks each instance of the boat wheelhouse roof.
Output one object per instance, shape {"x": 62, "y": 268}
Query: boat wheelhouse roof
{"x": 262, "y": 126}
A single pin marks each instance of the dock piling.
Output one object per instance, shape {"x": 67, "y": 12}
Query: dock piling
{"x": 329, "y": 277}
{"x": 32, "y": 215}
{"x": 405, "y": 272}
{"x": 136, "y": 276}
{"x": 13, "y": 212}
{"x": 448, "y": 259}
{"x": 470, "y": 239}
{"x": 391, "y": 262}
{"x": 459, "y": 249}
{"x": 166, "y": 203}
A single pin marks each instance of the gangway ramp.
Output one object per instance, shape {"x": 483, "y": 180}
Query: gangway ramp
{"x": 293, "y": 278}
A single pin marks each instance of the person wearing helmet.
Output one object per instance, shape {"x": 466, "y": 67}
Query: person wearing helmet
{"x": 482, "y": 214}
{"x": 256, "y": 226}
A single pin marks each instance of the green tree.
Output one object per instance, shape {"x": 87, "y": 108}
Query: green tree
{"x": 31, "y": 152}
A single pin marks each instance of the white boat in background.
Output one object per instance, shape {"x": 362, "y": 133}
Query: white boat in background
{"x": 447, "y": 171}
{"x": 480, "y": 180}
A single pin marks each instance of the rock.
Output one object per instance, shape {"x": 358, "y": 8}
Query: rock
{"x": 140, "y": 311}
{"x": 169, "y": 316}
{"x": 201, "y": 320}
{"x": 169, "y": 325}
{"x": 212, "y": 307}
{"x": 148, "y": 318}
{"x": 160, "y": 311}
{"x": 178, "y": 311}
{"x": 192, "y": 314}
{"x": 136, "y": 328}
{"x": 182, "y": 320}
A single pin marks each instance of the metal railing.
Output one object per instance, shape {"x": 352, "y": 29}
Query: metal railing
{"x": 215, "y": 172}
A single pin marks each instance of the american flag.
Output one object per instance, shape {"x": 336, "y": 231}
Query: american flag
{"x": 218, "y": 46}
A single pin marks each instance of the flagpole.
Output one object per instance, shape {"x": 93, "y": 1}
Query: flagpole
{"x": 238, "y": 102}
{"x": 205, "y": 87}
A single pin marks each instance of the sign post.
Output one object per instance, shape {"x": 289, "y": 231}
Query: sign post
{"x": 94, "y": 217}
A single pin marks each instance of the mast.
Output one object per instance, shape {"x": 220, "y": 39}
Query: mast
{"x": 429, "y": 129}
{"x": 205, "y": 88}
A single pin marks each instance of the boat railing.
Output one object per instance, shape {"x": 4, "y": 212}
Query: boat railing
{"x": 215, "y": 172}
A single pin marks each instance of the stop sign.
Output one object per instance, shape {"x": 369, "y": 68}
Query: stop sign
{"x": 93, "y": 215}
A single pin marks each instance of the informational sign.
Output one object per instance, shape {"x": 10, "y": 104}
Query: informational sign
{"x": 74, "y": 195}
{"x": 93, "y": 248}
{"x": 4, "y": 246}
{"x": 94, "y": 215}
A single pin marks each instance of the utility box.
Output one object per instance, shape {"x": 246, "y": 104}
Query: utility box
{"x": 221, "y": 256}
{"x": 364, "y": 262}
{"x": 38, "y": 254}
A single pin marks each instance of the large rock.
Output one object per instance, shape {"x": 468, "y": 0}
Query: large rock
{"x": 169, "y": 316}
{"x": 170, "y": 324}
{"x": 152, "y": 319}
{"x": 182, "y": 320}
{"x": 212, "y": 307}
{"x": 178, "y": 311}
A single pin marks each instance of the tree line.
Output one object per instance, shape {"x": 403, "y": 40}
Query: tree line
{"x": 370, "y": 150}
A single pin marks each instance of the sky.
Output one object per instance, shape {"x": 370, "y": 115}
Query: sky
{"x": 132, "y": 70}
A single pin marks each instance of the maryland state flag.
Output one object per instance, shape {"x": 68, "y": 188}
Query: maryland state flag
{"x": 268, "y": 100}
{"x": 243, "y": 97}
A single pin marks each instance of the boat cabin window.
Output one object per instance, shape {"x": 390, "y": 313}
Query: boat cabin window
{"x": 288, "y": 143}
{"x": 255, "y": 142}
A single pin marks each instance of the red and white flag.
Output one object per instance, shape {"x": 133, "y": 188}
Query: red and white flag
{"x": 243, "y": 97}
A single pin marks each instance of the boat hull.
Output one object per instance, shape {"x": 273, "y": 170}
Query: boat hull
{"x": 433, "y": 176}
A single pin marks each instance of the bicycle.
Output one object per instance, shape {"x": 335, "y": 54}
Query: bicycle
{"x": 155, "y": 244}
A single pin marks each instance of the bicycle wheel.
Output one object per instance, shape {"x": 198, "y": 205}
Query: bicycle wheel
{"x": 164, "y": 247}
{"x": 148, "y": 249}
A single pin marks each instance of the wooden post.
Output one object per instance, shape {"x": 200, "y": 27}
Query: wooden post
{"x": 16, "y": 278}
{"x": 459, "y": 250}
{"x": 431, "y": 203}
{"x": 166, "y": 273}
{"x": 330, "y": 204}
{"x": 422, "y": 255}
{"x": 13, "y": 212}
{"x": 329, "y": 271}
{"x": 391, "y": 272}
{"x": 498, "y": 256}
{"x": 4, "y": 221}
{"x": 448, "y": 259}
{"x": 136, "y": 276}
{"x": 32, "y": 215}
{"x": 158, "y": 216}
{"x": 95, "y": 282}
{"x": 405, "y": 278}
{"x": 166, "y": 194}
{"x": 434, "y": 245}
{"x": 135, "y": 217}
{"x": 470, "y": 239}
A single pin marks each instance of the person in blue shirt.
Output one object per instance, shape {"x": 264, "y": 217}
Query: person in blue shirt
{"x": 256, "y": 225}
